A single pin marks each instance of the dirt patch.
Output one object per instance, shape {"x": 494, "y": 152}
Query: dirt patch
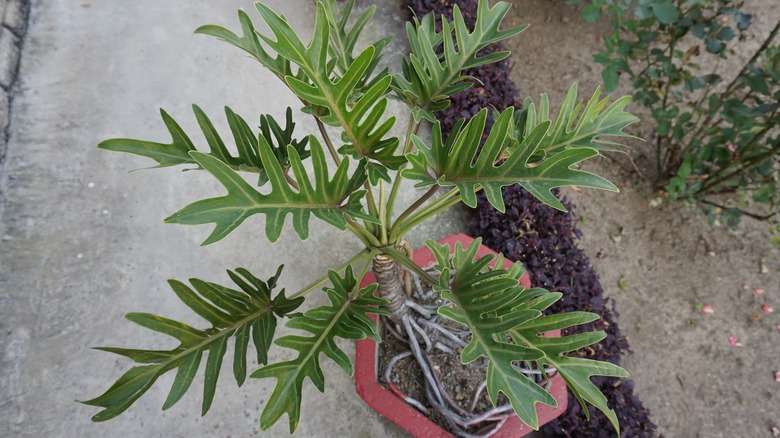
{"x": 661, "y": 261}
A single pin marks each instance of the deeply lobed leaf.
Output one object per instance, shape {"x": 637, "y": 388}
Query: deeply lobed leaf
{"x": 507, "y": 324}
{"x": 345, "y": 317}
{"x": 434, "y": 70}
{"x": 232, "y": 313}
{"x": 576, "y": 372}
{"x": 462, "y": 163}
{"x": 477, "y": 296}
{"x": 327, "y": 199}
{"x": 343, "y": 41}
{"x": 359, "y": 115}
{"x": 249, "y": 42}
{"x": 247, "y": 143}
{"x": 576, "y": 128}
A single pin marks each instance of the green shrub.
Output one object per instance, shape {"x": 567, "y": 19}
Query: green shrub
{"x": 716, "y": 143}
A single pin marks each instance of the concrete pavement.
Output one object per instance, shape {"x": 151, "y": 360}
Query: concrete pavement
{"x": 83, "y": 240}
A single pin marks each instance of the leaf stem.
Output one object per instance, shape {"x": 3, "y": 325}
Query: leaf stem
{"x": 372, "y": 209}
{"x": 365, "y": 236}
{"x": 328, "y": 143}
{"x": 364, "y": 254}
{"x": 382, "y": 214}
{"x": 432, "y": 191}
{"x": 444, "y": 202}
{"x": 354, "y": 293}
{"x": 291, "y": 181}
{"x": 411, "y": 128}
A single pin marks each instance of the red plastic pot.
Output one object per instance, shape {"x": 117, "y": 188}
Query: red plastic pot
{"x": 407, "y": 417}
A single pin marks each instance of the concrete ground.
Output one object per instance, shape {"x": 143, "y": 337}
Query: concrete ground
{"x": 83, "y": 241}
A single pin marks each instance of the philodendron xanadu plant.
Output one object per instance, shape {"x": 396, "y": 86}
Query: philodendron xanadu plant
{"x": 343, "y": 88}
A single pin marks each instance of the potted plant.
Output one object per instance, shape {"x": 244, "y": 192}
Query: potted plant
{"x": 500, "y": 322}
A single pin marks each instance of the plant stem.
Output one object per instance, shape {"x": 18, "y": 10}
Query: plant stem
{"x": 364, "y": 254}
{"x": 365, "y": 236}
{"x": 411, "y": 128}
{"x": 760, "y": 217}
{"x": 328, "y": 143}
{"x": 382, "y": 214}
{"x": 658, "y": 138}
{"x": 417, "y": 204}
{"x": 444, "y": 202}
{"x": 291, "y": 181}
{"x": 388, "y": 277}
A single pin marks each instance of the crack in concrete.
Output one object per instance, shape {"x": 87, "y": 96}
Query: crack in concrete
{"x": 18, "y": 30}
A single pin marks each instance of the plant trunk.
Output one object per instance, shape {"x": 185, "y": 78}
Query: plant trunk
{"x": 388, "y": 277}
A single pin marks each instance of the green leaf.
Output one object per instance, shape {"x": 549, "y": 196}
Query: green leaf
{"x": 496, "y": 309}
{"x": 576, "y": 372}
{"x": 575, "y": 129}
{"x": 726, "y": 34}
{"x": 428, "y": 79}
{"x": 326, "y": 199}
{"x": 463, "y": 164}
{"x": 665, "y": 11}
{"x": 591, "y": 13}
{"x": 485, "y": 301}
{"x": 345, "y": 317}
{"x": 171, "y": 154}
{"x": 250, "y": 43}
{"x": 247, "y": 143}
{"x": 207, "y": 300}
{"x": 360, "y": 117}
{"x": 343, "y": 41}
{"x": 610, "y": 77}
{"x": 713, "y": 45}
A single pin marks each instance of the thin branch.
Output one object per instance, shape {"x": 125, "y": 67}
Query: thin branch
{"x": 732, "y": 85}
{"x": 756, "y": 216}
